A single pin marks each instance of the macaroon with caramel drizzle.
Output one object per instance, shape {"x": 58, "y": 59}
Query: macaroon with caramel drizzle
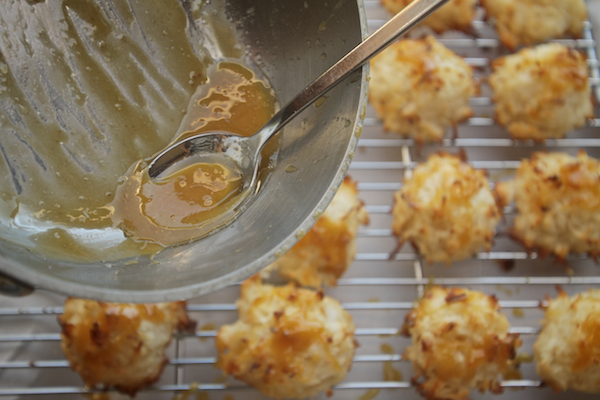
{"x": 558, "y": 203}
{"x": 175, "y": 208}
{"x": 460, "y": 342}
{"x": 288, "y": 342}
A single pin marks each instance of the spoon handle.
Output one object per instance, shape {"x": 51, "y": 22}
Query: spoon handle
{"x": 357, "y": 57}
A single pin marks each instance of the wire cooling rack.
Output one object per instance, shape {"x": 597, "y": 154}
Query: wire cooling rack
{"x": 377, "y": 291}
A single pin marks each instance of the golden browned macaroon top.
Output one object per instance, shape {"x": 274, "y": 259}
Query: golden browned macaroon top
{"x": 420, "y": 88}
{"x": 446, "y": 209}
{"x": 527, "y": 22}
{"x": 460, "y": 341}
{"x": 542, "y": 92}
{"x": 114, "y": 345}
{"x": 288, "y": 342}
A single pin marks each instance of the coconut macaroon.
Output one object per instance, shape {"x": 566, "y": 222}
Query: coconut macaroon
{"x": 567, "y": 350}
{"x": 119, "y": 346}
{"x": 446, "y": 209}
{"x": 541, "y": 92}
{"x": 454, "y": 15}
{"x": 420, "y": 88}
{"x": 329, "y": 247}
{"x": 526, "y": 22}
{"x": 288, "y": 342}
{"x": 557, "y": 197}
{"x": 460, "y": 342}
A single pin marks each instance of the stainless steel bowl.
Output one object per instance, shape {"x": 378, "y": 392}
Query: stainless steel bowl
{"x": 291, "y": 42}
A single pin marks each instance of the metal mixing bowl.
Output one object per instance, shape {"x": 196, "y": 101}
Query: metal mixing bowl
{"x": 291, "y": 43}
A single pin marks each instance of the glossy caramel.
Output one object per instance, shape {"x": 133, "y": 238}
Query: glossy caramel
{"x": 189, "y": 197}
{"x": 589, "y": 347}
{"x": 175, "y": 209}
{"x": 294, "y": 335}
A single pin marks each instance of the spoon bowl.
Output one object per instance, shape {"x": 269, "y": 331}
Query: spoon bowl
{"x": 233, "y": 151}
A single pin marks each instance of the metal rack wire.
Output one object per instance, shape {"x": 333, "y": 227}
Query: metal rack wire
{"x": 376, "y": 290}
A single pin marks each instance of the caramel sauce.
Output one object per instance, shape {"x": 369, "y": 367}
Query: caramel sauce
{"x": 518, "y": 313}
{"x": 189, "y": 197}
{"x": 589, "y": 346}
{"x": 582, "y": 179}
{"x": 512, "y": 373}
{"x": 386, "y": 348}
{"x": 222, "y": 378}
{"x": 391, "y": 374}
{"x": 524, "y": 358}
{"x": 285, "y": 341}
{"x": 448, "y": 366}
{"x": 175, "y": 209}
{"x": 185, "y": 395}
{"x": 293, "y": 336}
{"x": 455, "y": 359}
{"x": 207, "y": 327}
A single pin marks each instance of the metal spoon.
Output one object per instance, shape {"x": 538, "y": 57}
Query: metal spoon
{"x": 242, "y": 154}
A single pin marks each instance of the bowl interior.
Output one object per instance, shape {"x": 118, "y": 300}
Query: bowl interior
{"x": 290, "y": 43}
